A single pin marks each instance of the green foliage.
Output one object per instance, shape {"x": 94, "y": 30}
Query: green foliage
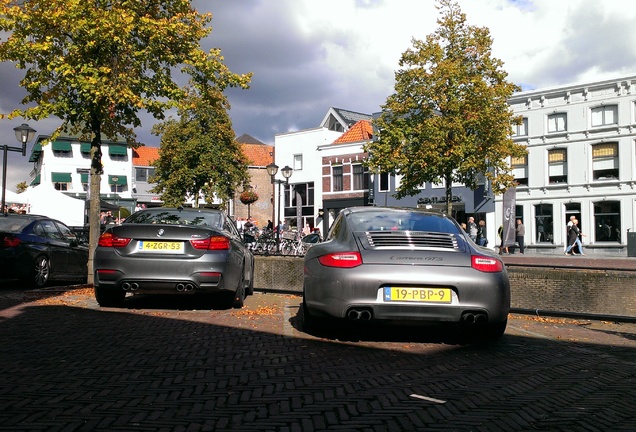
{"x": 199, "y": 152}
{"x": 448, "y": 119}
{"x": 21, "y": 187}
{"x": 97, "y": 65}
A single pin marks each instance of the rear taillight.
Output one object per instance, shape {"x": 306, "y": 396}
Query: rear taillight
{"x": 486, "y": 264}
{"x": 109, "y": 240}
{"x": 9, "y": 241}
{"x": 212, "y": 243}
{"x": 341, "y": 259}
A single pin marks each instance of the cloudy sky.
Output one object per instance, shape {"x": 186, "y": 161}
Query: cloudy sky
{"x": 309, "y": 55}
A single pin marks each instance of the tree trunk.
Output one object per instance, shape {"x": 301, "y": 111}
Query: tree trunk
{"x": 449, "y": 194}
{"x": 95, "y": 207}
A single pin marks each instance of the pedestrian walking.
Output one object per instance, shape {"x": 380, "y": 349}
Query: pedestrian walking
{"x": 574, "y": 238}
{"x": 481, "y": 233}
{"x": 521, "y": 232}
{"x": 472, "y": 229}
{"x": 502, "y": 249}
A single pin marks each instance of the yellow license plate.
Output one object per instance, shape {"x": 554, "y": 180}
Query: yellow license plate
{"x": 434, "y": 295}
{"x": 155, "y": 246}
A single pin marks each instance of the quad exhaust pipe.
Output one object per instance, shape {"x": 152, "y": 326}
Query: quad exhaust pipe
{"x": 359, "y": 314}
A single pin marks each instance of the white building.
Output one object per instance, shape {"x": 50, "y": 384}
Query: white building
{"x": 581, "y": 162}
{"x": 301, "y": 199}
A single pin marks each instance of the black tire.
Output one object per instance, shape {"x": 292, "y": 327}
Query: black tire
{"x": 317, "y": 325}
{"x": 238, "y": 298}
{"x": 494, "y": 331}
{"x": 109, "y": 297}
{"x": 250, "y": 287}
{"x": 41, "y": 272}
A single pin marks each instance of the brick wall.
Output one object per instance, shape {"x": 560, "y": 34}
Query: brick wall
{"x": 596, "y": 292}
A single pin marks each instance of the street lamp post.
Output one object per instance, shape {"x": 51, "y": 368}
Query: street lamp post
{"x": 24, "y": 133}
{"x": 272, "y": 169}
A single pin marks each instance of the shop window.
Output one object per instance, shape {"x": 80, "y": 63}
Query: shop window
{"x": 607, "y": 221}
{"x": 544, "y": 223}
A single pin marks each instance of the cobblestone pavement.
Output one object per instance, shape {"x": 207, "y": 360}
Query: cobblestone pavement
{"x": 165, "y": 364}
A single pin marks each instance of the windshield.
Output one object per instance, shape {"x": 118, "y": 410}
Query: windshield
{"x": 14, "y": 224}
{"x": 175, "y": 217}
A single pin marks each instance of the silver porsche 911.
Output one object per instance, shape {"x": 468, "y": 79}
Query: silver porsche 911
{"x": 173, "y": 251}
{"x": 404, "y": 265}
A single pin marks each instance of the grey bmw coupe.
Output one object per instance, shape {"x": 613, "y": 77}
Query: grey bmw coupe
{"x": 173, "y": 251}
{"x": 404, "y": 265}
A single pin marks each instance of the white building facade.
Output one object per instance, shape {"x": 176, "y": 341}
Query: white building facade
{"x": 581, "y": 162}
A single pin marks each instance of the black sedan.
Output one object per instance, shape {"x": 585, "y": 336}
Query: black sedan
{"x": 173, "y": 251}
{"x": 37, "y": 249}
{"x": 381, "y": 265}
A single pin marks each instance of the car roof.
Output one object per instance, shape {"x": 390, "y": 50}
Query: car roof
{"x": 363, "y": 209}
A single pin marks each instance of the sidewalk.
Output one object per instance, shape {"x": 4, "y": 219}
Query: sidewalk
{"x": 590, "y": 262}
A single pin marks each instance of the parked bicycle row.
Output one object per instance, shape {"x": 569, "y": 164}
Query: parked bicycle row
{"x": 268, "y": 242}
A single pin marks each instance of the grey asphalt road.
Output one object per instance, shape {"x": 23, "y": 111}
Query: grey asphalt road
{"x": 173, "y": 364}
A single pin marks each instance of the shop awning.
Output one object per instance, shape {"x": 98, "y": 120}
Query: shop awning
{"x": 36, "y": 180}
{"x": 117, "y": 150}
{"x": 57, "y": 177}
{"x": 35, "y": 153}
{"x": 117, "y": 180}
{"x": 63, "y": 146}
{"x": 84, "y": 178}
{"x": 85, "y": 148}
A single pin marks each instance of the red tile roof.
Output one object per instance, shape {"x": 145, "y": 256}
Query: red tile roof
{"x": 361, "y": 131}
{"x": 145, "y": 156}
{"x": 259, "y": 155}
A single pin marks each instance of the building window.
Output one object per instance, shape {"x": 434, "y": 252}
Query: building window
{"x": 336, "y": 178}
{"x": 144, "y": 174}
{"x": 558, "y": 166}
{"x": 544, "y": 223}
{"x": 605, "y": 115}
{"x": 557, "y": 122}
{"x": 607, "y": 221}
{"x": 384, "y": 182}
{"x": 360, "y": 177}
{"x": 520, "y": 129}
{"x": 298, "y": 162}
{"x": 520, "y": 169}
{"x": 605, "y": 161}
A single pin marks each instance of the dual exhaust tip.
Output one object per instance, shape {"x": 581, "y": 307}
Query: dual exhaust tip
{"x": 185, "y": 287}
{"x": 130, "y": 286}
{"x": 474, "y": 318}
{"x": 359, "y": 314}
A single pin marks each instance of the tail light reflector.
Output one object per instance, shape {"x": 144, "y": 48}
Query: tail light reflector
{"x": 341, "y": 259}
{"x": 486, "y": 264}
{"x": 108, "y": 239}
{"x": 9, "y": 241}
{"x": 212, "y": 243}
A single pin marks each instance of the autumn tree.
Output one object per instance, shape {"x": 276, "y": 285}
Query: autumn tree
{"x": 199, "y": 154}
{"x": 97, "y": 65}
{"x": 448, "y": 120}
{"x": 21, "y": 187}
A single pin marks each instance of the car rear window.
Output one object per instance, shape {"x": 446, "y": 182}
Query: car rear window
{"x": 175, "y": 217}
{"x": 401, "y": 221}
{"x": 13, "y": 225}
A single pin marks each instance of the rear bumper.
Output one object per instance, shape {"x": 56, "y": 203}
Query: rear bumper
{"x": 336, "y": 292}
